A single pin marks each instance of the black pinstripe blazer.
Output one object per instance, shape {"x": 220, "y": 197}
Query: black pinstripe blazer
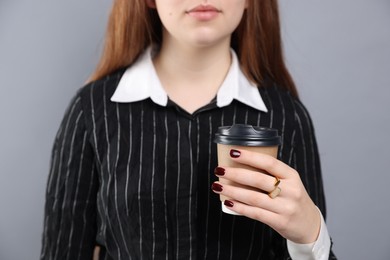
{"x": 135, "y": 178}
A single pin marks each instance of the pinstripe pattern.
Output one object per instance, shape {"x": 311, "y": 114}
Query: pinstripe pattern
{"x": 128, "y": 162}
{"x": 140, "y": 180}
{"x": 77, "y": 190}
{"x": 109, "y": 148}
{"x": 178, "y": 192}
{"x": 190, "y": 216}
{"x": 152, "y": 187}
{"x": 67, "y": 186}
{"x": 135, "y": 178}
{"x": 165, "y": 186}
{"x": 220, "y": 213}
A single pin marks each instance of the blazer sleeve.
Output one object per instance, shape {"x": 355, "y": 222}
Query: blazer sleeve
{"x": 70, "y": 208}
{"x": 306, "y": 158}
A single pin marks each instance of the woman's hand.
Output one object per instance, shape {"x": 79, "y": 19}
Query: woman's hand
{"x": 292, "y": 213}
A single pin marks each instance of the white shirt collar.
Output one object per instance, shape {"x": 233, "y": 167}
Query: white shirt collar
{"x": 140, "y": 81}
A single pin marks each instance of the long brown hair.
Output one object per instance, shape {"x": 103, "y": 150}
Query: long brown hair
{"x": 133, "y": 26}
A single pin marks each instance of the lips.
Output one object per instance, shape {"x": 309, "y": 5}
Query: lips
{"x": 204, "y": 12}
{"x": 204, "y": 8}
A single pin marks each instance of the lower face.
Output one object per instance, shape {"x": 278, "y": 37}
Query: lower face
{"x": 200, "y": 23}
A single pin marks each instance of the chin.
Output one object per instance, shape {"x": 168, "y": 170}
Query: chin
{"x": 204, "y": 41}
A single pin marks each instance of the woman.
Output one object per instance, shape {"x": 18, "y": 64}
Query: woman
{"x": 133, "y": 161}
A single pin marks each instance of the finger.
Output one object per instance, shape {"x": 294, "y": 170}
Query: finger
{"x": 257, "y": 179}
{"x": 253, "y": 198}
{"x": 265, "y": 216}
{"x": 265, "y": 162}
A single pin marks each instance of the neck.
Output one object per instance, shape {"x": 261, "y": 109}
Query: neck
{"x": 191, "y": 76}
{"x": 187, "y": 63}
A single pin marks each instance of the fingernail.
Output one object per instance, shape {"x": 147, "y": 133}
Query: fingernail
{"x": 216, "y": 187}
{"x": 219, "y": 171}
{"x": 228, "y": 203}
{"x": 235, "y": 153}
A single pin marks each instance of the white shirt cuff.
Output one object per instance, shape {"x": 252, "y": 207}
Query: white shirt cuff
{"x": 319, "y": 250}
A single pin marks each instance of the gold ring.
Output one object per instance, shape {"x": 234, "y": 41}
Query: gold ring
{"x": 277, "y": 182}
{"x": 276, "y": 191}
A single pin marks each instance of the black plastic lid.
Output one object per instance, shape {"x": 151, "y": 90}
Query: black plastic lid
{"x": 247, "y": 135}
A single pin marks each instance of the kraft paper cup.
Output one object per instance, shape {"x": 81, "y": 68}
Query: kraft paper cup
{"x": 243, "y": 137}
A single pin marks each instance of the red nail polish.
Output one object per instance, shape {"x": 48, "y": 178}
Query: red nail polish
{"x": 219, "y": 171}
{"x": 228, "y": 203}
{"x": 235, "y": 153}
{"x": 216, "y": 187}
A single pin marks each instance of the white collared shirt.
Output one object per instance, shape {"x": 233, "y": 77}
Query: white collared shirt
{"x": 140, "y": 82}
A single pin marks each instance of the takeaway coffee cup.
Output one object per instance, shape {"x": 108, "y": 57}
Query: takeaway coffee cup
{"x": 239, "y": 136}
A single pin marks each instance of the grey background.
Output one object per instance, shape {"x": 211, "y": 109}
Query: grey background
{"x": 338, "y": 52}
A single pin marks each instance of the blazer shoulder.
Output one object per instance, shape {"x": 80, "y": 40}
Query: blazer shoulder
{"x": 276, "y": 97}
{"x": 293, "y": 105}
{"x": 105, "y": 86}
